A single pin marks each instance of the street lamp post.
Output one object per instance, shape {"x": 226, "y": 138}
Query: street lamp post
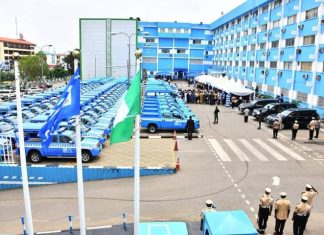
{"x": 129, "y": 36}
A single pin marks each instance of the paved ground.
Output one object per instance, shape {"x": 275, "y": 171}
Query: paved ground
{"x": 231, "y": 165}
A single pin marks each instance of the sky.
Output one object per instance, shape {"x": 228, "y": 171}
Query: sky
{"x": 56, "y": 22}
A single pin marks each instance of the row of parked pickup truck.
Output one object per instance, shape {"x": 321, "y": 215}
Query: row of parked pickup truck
{"x": 100, "y": 100}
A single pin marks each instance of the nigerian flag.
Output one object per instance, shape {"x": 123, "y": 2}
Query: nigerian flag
{"x": 130, "y": 107}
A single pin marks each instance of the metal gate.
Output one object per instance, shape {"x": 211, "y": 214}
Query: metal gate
{"x": 6, "y": 150}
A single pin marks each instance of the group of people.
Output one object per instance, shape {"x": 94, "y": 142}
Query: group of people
{"x": 282, "y": 210}
{"x": 201, "y": 96}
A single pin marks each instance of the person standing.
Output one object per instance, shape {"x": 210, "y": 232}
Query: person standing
{"x": 246, "y": 115}
{"x": 190, "y": 127}
{"x": 282, "y": 210}
{"x": 216, "y": 114}
{"x": 310, "y": 193}
{"x": 275, "y": 128}
{"x": 265, "y": 209}
{"x": 317, "y": 127}
{"x": 260, "y": 119}
{"x": 311, "y": 128}
{"x": 300, "y": 217}
{"x": 209, "y": 207}
{"x": 294, "y": 130}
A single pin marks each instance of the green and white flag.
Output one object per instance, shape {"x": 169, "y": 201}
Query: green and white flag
{"x": 124, "y": 122}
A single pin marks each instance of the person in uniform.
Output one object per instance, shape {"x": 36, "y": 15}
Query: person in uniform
{"x": 282, "y": 210}
{"x": 209, "y": 207}
{"x": 317, "y": 127}
{"x": 260, "y": 119}
{"x": 190, "y": 127}
{"x": 246, "y": 115}
{"x": 265, "y": 209}
{"x": 311, "y": 128}
{"x": 310, "y": 192}
{"x": 300, "y": 217}
{"x": 216, "y": 111}
{"x": 275, "y": 128}
{"x": 294, "y": 130}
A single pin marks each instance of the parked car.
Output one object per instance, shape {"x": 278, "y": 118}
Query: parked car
{"x": 272, "y": 108}
{"x": 302, "y": 115}
{"x": 256, "y": 104}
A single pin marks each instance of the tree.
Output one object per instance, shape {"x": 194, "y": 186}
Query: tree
{"x": 30, "y": 67}
{"x": 59, "y": 72}
{"x": 69, "y": 60}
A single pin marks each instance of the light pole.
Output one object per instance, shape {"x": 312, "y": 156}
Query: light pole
{"x": 42, "y": 60}
{"x": 129, "y": 36}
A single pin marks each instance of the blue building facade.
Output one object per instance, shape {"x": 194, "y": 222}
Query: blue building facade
{"x": 176, "y": 49}
{"x": 276, "y": 45}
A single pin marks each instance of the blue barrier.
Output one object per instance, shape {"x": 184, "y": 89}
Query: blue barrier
{"x": 10, "y": 175}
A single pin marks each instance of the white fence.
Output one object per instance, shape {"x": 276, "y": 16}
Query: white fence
{"x": 6, "y": 150}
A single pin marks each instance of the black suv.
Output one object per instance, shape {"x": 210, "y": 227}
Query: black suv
{"x": 256, "y": 104}
{"x": 272, "y": 108}
{"x": 302, "y": 115}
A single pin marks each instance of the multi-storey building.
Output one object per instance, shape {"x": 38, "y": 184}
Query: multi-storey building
{"x": 176, "y": 49}
{"x": 9, "y": 46}
{"x": 277, "y": 45}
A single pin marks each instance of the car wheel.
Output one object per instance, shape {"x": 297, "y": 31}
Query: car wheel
{"x": 86, "y": 156}
{"x": 152, "y": 128}
{"x": 282, "y": 126}
{"x": 34, "y": 156}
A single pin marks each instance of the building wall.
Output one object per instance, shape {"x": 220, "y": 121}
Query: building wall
{"x": 177, "y": 49}
{"x": 277, "y": 45}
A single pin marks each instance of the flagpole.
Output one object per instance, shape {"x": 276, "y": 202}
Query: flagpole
{"x": 137, "y": 176}
{"x": 79, "y": 165}
{"x": 22, "y": 154}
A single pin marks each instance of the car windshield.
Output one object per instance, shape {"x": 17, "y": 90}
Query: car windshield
{"x": 84, "y": 128}
{"x": 286, "y": 113}
{"x": 5, "y": 127}
{"x": 253, "y": 102}
{"x": 269, "y": 106}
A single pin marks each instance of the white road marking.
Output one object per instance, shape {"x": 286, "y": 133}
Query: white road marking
{"x": 275, "y": 181}
{"x": 270, "y": 150}
{"x": 287, "y": 150}
{"x": 247, "y": 202}
{"x": 252, "y": 209}
{"x": 236, "y": 150}
{"x": 219, "y": 150}
{"x": 253, "y": 150}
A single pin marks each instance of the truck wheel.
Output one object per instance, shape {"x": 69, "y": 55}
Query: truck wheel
{"x": 86, "y": 156}
{"x": 34, "y": 156}
{"x": 152, "y": 128}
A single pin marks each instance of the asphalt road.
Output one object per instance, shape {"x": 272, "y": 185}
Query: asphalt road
{"x": 220, "y": 167}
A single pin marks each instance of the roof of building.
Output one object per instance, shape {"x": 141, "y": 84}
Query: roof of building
{"x": 17, "y": 41}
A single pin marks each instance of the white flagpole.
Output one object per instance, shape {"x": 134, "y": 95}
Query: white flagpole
{"x": 22, "y": 154}
{"x": 79, "y": 168}
{"x": 137, "y": 176}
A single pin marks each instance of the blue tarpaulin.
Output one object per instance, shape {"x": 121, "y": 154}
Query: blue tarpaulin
{"x": 163, "y": 228}
{"x": 228, "y": 223}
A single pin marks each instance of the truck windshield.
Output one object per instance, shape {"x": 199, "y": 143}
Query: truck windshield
{"x": 4, "y": 127}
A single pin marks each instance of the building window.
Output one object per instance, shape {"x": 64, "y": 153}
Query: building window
{"x": 308, "y": 40}
{"x": 277, "y": 3}
{"x": 274, "y": 44}
{"x": 292, "y": 19}
{"x": 253, "y": 30}
{"x": 261, "y": 64}
{"x": 196, "y": 41}
{"x": 162, "y": 30}
{"x": 251, "y": 63}
{"x": 237, "y": 49}
{"x": 210, "y": 42}
{"x": 244, "y": 48}
{"x": 262, "y": 45}
{"x": 244, "y": 63}
{"x": 196, "y": 61}
{"x": 252, "y": 47}
{"x": 166, "y": 51}
{"x": 273, "y": 64}
{"x": 306, "y": 66}
{"x": 186, "y": 31}
{"x": 170, "y": 30}
{"x": 290, "y": 42}
{"x": 149, "y": 40}
{"x": 245, "y": 33}
{"x": 255, "y": 13}
{"x": 288, "y": 65}
{"x": 238, "y": 35}
{"x": 236, "y": 63}
{"x": 232, "y": 36}
{"x": 265, "y": 8}
{"x": 276, "y": 24}
{"x": 246, "y": 17}
{"x": 181, "y": 51}
{"x": 178, "y": 30}
{"x": 263, "y": 27}
{"x": 312, "y": 13}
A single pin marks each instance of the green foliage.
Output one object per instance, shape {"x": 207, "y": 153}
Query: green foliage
{"x": 59, "y": 72}
{"x": 6, "y": 76}
{"x": 296, "y": 102}
{"x": 30, "y": 67}
{"x": 69, "y": 60}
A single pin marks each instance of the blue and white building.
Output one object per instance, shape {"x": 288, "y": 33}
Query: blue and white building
{"x": 176, "y": 49}
{"x": 277, "y": 45}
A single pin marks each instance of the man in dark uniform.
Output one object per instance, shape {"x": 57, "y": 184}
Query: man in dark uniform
{"x": 300, "y": 216}
{"x": 216, "y": 115}
{"x": 190, "y": 127}
{"x": 265, "y": 209}
{"x": 260, "y": 119}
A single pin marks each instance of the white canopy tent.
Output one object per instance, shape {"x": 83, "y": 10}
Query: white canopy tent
{"x": 223, "y": 83}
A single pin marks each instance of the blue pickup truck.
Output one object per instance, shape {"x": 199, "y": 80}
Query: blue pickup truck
{"x": 62, "y": 145}
{"x": 154, "y": 121}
